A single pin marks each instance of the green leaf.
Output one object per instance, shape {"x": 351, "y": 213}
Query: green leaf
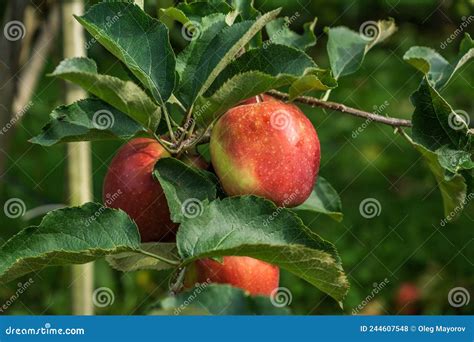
{"x": 215, "y": 48}
{"x": 133, "y": 261}
{"x": 246, "y": 9}
{"x": 437, "y": 69}
{"x": 126, "y": 96}
{"x": 187, "y": 189}
{"x": 323, "y": 199}
{"x": 195, "y": 11}
{"x": 256, "y": 71}
{"x": 138, "y": 40}
{"x": 175, "y": 14}
{"x": 453, "y": 189}
{"x": 254, "y": 227}
{"x": 68, "y": 236}
{"x": 435, "y": 123}
{"x": 454, "y": 160}
{"x": 318, "y": 80}
{"x": 280, "y": 33}
{"x": 347, "y": 48}
{"x": 216, "y": 299}
{"x": 202, "y": 34}
{"x": 87, "y": 120}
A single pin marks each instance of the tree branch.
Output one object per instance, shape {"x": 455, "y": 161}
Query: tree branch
{"x": 32, "y": 70}
{"x": 312, "y": 101}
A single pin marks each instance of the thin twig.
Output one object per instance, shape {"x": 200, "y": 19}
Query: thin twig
{"x": 312, "y": 101}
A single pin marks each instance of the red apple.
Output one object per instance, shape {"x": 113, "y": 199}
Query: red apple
{"x": 254, "y": 276}
{"x": 407, "y": 299}
{"x": 269, "y": 149}
{"x": 129, "y": 185}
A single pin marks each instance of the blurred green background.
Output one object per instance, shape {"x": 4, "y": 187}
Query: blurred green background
{"x": 405, "y": 243}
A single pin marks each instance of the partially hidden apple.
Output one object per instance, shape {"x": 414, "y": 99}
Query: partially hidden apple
{"x": 252, "y": 275}
{"x": 407, "y": 299}
{"x": 129, "y": 185}
{"x": 267, "y": 148}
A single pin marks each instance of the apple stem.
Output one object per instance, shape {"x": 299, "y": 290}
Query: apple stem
{"x": 312, "y": 101}
{"x": 160, "y": 258}
{"x": 259, "y": 98}
{"x": 168, "y": 123}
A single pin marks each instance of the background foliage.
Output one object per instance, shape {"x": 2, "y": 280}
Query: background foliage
{"x": 404, "y": 243}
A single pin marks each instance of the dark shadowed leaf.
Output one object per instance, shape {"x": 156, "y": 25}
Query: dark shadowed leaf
{"x": 214, "y": 299}
{"x": 435, "y": 123}
{"x": 453, "y": 189}
{"x": 132, "y": 261}
{"x": 187, "y": 189}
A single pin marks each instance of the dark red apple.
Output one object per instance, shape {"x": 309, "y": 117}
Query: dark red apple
{"x": 407, "y": 299}
{"x": 129, "y": 185}
{"x": 269, "y": 149}
{"x": 254, "y": 276}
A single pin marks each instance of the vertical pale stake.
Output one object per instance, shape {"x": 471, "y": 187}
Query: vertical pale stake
{"x": 79, "y": 159}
